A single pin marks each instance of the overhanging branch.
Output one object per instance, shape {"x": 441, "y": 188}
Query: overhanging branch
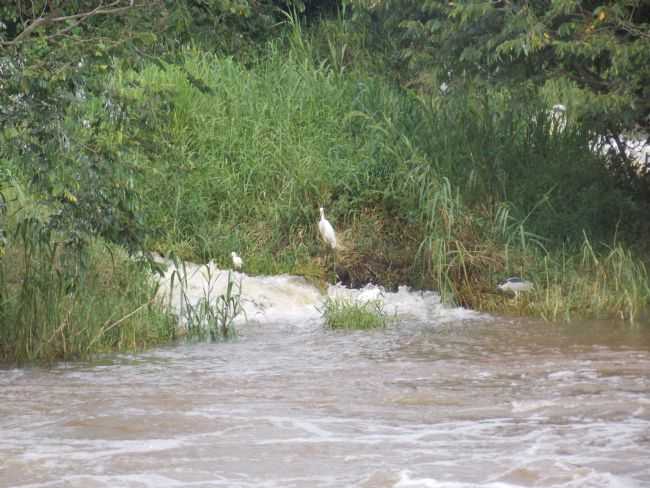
{"x": 109, "y": 9}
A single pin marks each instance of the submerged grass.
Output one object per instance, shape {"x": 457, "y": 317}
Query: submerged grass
{"x": 212, "y": 317}
{"x": 342, "y": 313}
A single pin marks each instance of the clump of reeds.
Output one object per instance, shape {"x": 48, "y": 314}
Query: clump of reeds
{"x": 611, "y": 283}
{"x": 346, "y": 313}
{"x": 212, "y": 316}
{"x": 61, "y": 303}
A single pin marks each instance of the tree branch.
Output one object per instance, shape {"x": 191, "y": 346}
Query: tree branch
{"x": 110, "y": 9}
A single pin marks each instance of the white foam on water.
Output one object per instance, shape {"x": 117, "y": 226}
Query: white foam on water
{"x": 531, "y": 405}
{"x": 406, "y": 480}
{"x": 93, "y": 450}
{"x": 577, "y": 477}
{"x": 405, "y": 302}
{"x": 562, "y": 375}
{"x": 8, "y": 376}
{"x": 292, "y": 298}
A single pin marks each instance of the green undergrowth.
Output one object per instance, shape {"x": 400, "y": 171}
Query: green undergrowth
{"x": 197, "y": 155}
{"x": 342, "y": 313}
{"x": 59, "y": 304}
{"x": 450, "y": 192}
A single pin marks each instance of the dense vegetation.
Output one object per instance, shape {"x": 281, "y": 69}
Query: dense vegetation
{"x": 422, "y": 127}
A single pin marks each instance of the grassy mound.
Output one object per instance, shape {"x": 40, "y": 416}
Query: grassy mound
{"x": 452, "y": 192}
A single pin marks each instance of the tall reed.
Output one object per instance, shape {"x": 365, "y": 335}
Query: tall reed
{"x": 59, "y": 302}
{"x": 213, "y": 315}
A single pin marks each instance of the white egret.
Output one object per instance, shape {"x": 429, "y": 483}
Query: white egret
{"x": 558, "y": 118}
{"x": 326, "y": 230}
{"x": 237, "y": 262}
{"x": 515, "y": 285}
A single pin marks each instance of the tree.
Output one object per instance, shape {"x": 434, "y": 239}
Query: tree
{"x": 54, "y": 58}
{"x": 601, "y": 47}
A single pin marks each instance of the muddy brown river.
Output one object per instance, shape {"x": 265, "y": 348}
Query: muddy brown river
{"x": 456, "y": 400}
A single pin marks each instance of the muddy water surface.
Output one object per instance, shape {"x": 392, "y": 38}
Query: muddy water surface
{"x": 457, "y": 400}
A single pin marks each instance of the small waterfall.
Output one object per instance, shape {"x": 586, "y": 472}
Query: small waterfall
{"x": 290, "y": 298}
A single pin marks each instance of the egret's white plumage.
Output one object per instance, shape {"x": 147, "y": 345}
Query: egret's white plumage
{"x": 558, "y": 118}
{"x": 237, "y": 262}
{"x": 326, "y": 230}
{"x": 515, "y": 285}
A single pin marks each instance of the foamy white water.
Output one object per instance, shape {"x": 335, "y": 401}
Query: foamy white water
{"x": 439, "y": 399}
{"x": 292, "y": 298}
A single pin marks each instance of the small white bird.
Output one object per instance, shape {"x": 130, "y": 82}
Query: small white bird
{"x": 326, "y": 230}
{"x": 558, "y": 118}
{"x": 515, "y": 285}
{"x": 237, "y": 262}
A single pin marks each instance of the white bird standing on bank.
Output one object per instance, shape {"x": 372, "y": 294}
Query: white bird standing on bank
{"x": 558, "y": 118}
{"x": 237, "y": 262}
{"x": 326, "y": 230}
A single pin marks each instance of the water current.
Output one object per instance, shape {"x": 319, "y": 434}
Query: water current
{"x": 444, "y": 398}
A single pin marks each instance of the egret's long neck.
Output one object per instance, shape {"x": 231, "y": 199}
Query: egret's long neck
{"x": 322, "y": 214}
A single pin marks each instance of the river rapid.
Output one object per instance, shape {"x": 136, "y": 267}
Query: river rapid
{"x": 444, "y": 398}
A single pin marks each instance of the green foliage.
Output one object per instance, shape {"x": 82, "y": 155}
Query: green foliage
{"x": 610, "y": 283}
{"x": 502, "y": 146}
{"x": 599, "y": 49}
{"x": 340, "y": 313}
{"x": 238, "y": 160}
{"x": 118, "y": 129}
{"x": 53, "y": 102}
{"x": 470, "y": 174}
{"x": 603, "y": 46}
{"x": 251, "y": 155}
{"x": 58, "y": 302}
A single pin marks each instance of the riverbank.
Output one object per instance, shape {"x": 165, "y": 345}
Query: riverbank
{"x": 449, "y": 193}
{"x": 204, "y": 154}
{"x": 58, "y": 304}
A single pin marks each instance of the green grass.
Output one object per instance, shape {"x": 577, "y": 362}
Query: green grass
{"x": 253, "y": 158}
{"x": 569, "y": 284}
{"x": 609, "y": 284}
{"x": 446, "y": 192}
{"x": 60, "y": 305}
{"x": 341, "y": 313}
{"x": 450, "y": 193}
